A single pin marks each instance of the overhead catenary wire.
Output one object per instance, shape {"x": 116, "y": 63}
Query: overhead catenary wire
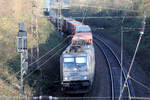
{"x": 127, "y": 28}
{"x": 57, "y": 98}
{"x": 51, "y": 50}
{"x": 37, "y": 98}
{"x": 121, "y": 63}
{"x": 44, "y": 62}
{"x": 109, "y": 17}
{"x": 84, "y": 15}
{"x": 123, "y": 28}
{"x": 139, "y": 83}
{"x": 107, "y": 8}
{"x": 132, "y": 62}
{"x": 100, "y": 17}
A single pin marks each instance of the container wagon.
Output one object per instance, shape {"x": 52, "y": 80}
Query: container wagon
{"x": 83, "y": 32}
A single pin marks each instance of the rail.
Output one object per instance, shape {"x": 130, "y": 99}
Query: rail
{"x": 109, "y": 67}
{"x": 114, "y": 69}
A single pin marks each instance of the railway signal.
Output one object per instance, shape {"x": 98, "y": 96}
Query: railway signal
{"x": 22, "y": 49}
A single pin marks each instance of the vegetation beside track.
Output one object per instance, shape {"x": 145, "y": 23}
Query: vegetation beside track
{"x": 18, "y": 11}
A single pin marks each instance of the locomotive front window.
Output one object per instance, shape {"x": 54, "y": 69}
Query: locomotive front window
{"x": 81, "y": 61}
{"x": 69, "y": 62}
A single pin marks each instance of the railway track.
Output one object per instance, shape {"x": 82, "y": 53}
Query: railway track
{"x": 115, "y": 71}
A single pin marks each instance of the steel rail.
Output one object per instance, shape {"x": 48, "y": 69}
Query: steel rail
{"x": 113, "y": 54}
{"x": 125, "y": 71}
{"x": 110, "y": 71}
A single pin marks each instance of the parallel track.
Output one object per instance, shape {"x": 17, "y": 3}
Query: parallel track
{"x": 114, "y": 69}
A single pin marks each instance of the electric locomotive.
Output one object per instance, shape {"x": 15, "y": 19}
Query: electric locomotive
{"x": 77, "y": 66}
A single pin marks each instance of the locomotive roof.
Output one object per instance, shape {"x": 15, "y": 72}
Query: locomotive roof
{"x": 78, "y": 49}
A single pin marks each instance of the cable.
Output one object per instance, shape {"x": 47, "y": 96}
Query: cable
{"x": 121, "y": 71}
{"x": 132, "y": 62}
{"x": 141, "y": 98}
{"x": 17, "y": 97}
{"x": 122, "y": 45}
{"x": 127, "y": 28}
{"x": 84, "y": 16}
{"x": 40, "y": 57}
{"x": 139, "y": 83}
{"x": 51, "y": 50}
{"x": 44, "y": 62}
{"x": 77, "y": 5}
{"x": 131, "y": 66}
{"x": 92, "y": 98}
{"x": 109, "y": 17}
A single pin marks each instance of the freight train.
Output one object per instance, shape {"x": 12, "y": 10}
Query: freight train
{"x": 77, "y": 62}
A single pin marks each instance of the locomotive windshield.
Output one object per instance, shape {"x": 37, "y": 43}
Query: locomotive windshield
{"x": 81, "y": 61}
{"x": 69, "y": 62}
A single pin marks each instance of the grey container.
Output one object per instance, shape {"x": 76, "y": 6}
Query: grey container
{"x": 82, "y": 28}
{"x": 70, "y": 26}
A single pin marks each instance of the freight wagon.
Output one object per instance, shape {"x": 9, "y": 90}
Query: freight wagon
{"x": 82, "y": 32}
{"x": 65, "y": 24}
{"x": 69, "y": 25}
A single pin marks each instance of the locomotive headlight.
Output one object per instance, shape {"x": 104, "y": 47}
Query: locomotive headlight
{"x": 85, "y": 77}
{"x": 66, "y": 78}
{"x": 75, "y": 69}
